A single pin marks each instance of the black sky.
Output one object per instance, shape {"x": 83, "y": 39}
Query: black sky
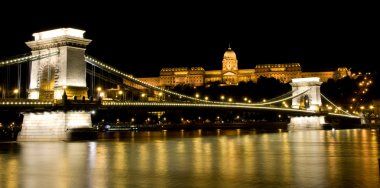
{"x": 145, "y": 37}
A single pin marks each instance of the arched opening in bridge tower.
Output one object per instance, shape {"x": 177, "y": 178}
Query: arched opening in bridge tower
{"x": 307, "y": 103}
{"x": 47, "y": 82}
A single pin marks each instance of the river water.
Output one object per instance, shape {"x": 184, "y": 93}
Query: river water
{"x": 213, "y": 158}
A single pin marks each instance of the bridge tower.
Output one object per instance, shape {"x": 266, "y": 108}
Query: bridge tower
{"x": 62, "y": 71}
{"x": 310, "y": 100}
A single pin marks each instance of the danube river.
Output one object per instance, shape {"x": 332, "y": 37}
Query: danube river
{"x": 217, "y": 158}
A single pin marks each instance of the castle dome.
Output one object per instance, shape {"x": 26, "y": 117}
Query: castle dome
{"x": 229, "y": 54}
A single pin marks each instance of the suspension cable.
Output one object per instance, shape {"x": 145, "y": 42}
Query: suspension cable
{"x": 283, "y": 95}
{"x": 335, "y": 105}
{"x": 18, "y": 80}
{"x": 113, "y": 70}
{"x": 26, "y": 58}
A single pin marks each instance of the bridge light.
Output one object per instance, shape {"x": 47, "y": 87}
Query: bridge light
{"x": 206, "y": 98}
{"x": 245, "y": 99}
{"x": 196, "y": 95}
{"x": 222, "y": 97}
{"x": 16, "y": 91}
{"x": 264, "y": 100}
{"x": 230, "y": 100}
{"x": 99, "y": 89}
{"x": 371, "y": 107}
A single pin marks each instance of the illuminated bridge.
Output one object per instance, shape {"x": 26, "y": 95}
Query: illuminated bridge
{"x": 62, "y": 88}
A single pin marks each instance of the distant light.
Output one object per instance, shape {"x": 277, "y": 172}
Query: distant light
{"x": 93, "y": 112}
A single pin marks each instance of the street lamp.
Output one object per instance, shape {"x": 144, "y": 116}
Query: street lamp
{"x": 16, "y": 91}
{"x": 160, "y": 96}
{"x": 121, "y": 94}
{"x": 99, "y": 89}
{"x": 143, "y": 96}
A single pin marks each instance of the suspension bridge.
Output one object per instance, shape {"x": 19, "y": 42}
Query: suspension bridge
{"x": 60, "y": 87}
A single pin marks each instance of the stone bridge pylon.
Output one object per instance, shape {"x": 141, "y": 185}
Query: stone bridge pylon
{"x": 309, "y": 100}
{"x": 62, "y": 71}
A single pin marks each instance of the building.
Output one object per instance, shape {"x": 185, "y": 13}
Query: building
{"x": 231, "y": 75}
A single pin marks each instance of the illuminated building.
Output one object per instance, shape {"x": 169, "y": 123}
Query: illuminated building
{"x": 231, "y": 75}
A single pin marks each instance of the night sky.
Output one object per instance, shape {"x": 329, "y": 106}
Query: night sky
{"x": 142, "y": 38}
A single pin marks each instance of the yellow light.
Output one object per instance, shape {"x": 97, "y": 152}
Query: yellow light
{"x": 142, "y": 94}
{"x": 230, "y": 100}
{"x": 222, "y": 97}
{"x": 99, "y": 89}
{"x": 120, "y": 92}
{"x": 196, "y": 95}
{"x": 206, "y": 98}
{"x": 245, "y": 98}
{"x": 371, "y": 107}
{"x": 15, "y": 91}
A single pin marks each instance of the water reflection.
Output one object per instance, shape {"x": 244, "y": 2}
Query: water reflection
{"x": 200, "y": 158}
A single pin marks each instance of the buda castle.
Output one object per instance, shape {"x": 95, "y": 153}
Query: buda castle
{"x": 230, "y": 74}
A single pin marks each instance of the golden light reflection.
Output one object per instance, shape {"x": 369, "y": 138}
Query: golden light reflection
{"x": 161, "y": 158}
{"x": 302, "y": 158}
